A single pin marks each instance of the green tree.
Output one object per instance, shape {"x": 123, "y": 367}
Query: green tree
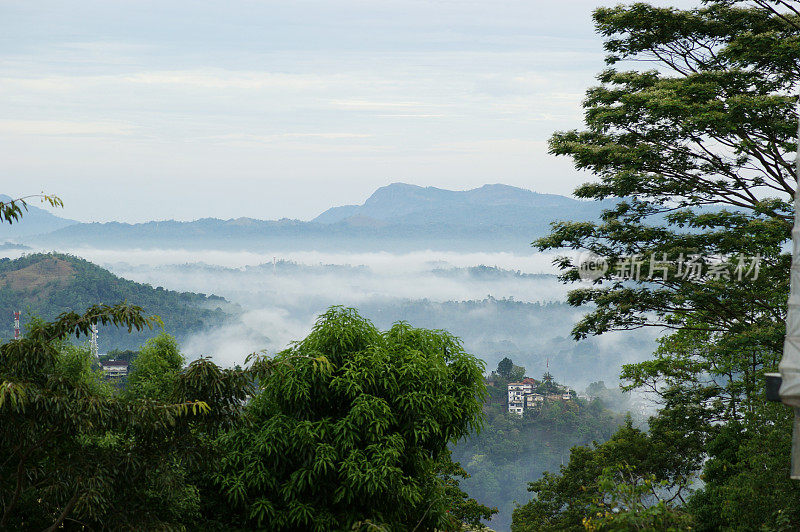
{"x": 516, "y": 374}
{"x": 463, "y": 510}
{"x": 13, "y": 211}
{"x": 566, "y": 500}
{"x": 504, "y": 368}
{"x": 153, "y": 372}
{"x": 698, "y": 155}
{"x": 350, "y": 428}
{"x": 630, "y": 501}
{"x": 595, "y": 389}
{"x": 61, "y": 430}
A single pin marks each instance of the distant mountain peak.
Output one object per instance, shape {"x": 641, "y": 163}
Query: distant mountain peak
{"x": 407, "y": 204}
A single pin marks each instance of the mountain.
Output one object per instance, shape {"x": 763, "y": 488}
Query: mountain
{"x": 46, "y": 285}
{"x": 33, "y": 222}
{"x": 489, "y": 205}
{"x": 396, "y": 218}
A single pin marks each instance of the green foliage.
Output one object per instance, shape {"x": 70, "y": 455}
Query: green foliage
{"x": 747, "y": 484}
{"x": 70, "y": 448}
{"x": 504, "y": 368}
{"x": 629, "y": 501}
{"x": 510, "y": 450}
{"x": 152, "y": 374}
{"x": 699, "y": 155}
{"x": 516, "y": 374}
{"x": 461, "y": 507}
{"x": 507, "y": 372}
{"x": 716, "y": 126}
{"x": 350, "y": 427}
{"x": 566, "y": 500}
{"x": 12, "y": 211}
{"x": 77, "y": 365}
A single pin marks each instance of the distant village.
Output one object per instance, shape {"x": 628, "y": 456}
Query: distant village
{"x": 531, "y": 393}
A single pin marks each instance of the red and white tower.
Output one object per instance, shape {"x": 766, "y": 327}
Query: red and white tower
{"x": 16, "y": 325}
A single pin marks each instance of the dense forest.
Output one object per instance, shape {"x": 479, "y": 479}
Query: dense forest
{"x": 511, "y": 450}
{"x": 204, "y": 447}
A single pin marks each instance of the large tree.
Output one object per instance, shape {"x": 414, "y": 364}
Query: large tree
{"x": 698, "y": 153}
{"x": 350, "y": 431}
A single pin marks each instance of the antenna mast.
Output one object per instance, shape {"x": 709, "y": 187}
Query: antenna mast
{"x": 93, "y": 341}
{"x": 16, "y": 325}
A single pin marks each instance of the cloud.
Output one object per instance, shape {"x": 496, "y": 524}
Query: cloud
{"x": 496, "y": 312}
{"x": 256, "y": 331}
{"x": 390, "y": 263}
{"x": 333, "y": 278}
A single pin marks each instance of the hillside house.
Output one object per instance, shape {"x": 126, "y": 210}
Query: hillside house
{"x": 114, "y": 368}
{"x": 521, "y": 395}
{"x": 534, "y": 400}
{"x": 516, "y": 396}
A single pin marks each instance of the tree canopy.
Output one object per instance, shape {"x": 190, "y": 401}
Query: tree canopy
{"x": 351, "y": 428}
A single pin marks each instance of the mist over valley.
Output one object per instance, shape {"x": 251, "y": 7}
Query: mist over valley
{"x": 496, "y": 293}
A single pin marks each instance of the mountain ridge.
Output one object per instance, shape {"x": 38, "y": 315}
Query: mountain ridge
{"x": 396, "y": 218}
{"x": 403, "y": 203}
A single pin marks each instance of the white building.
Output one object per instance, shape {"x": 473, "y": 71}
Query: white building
{"x": 517, "y": 391}
{"x": 521, "y": 396}
{"x": 114, "y": 368}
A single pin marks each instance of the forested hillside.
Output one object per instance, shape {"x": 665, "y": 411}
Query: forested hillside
{"x": 46, "y": 285}
{"x": 512, "y": 450}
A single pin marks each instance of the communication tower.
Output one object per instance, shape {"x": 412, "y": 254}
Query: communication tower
{"x": 93, "y": 341}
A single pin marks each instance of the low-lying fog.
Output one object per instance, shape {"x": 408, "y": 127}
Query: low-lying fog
{"x": 500, "y": 304}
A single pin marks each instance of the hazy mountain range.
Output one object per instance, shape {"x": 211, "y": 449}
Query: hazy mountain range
{"x": 396, "y": 217}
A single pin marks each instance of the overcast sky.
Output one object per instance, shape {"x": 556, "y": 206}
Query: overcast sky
{"x": 144, "y": 110}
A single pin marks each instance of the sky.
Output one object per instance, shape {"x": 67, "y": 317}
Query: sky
{"x": 153, "y": 110}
